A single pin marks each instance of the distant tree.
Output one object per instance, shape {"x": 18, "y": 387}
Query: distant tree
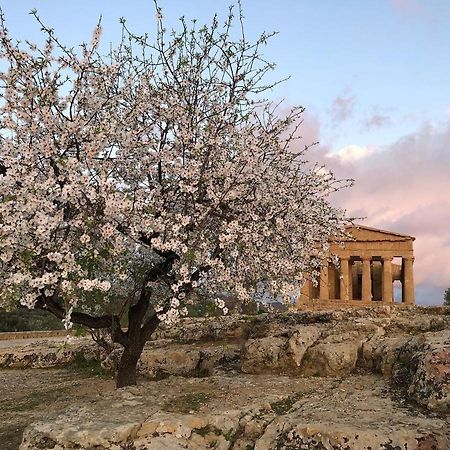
{"x": 128, "y": 181}
{"x": 447, "y": 297}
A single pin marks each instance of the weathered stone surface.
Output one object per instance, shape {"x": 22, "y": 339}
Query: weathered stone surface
{"x": 157, "y": 363}
{"x": 300, "y": 340}
{"x": 279, "y": 354}
{"x": 206, "y": 329}
{"x": 242, "y": 411}
{"x": 424, "y": 366}
{"x": 46, "y": 354}
{"x": 420, "y": 364}
{"x": 380, "y": 354}
{"x": 188, "y": 360}
{"x": 330, "y": 359}
{"x": 408, "y": 348}
{"x": 264, "y": 355}
{"x": 284, "y": 435}
{"x": 369, "y": 420}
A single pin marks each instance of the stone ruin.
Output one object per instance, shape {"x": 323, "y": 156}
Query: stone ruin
{"x": 366, "y": 272}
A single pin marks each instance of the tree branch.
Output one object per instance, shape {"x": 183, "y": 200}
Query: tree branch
{"x": 110, "y": 322}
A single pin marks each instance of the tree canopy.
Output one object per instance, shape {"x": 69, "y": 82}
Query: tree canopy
{"x": 131, "y": 179}
{"x": 447, "y": 297}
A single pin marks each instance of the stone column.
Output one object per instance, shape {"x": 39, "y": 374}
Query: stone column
{"x": 366, "y": 280}
{"x": 345, "y": 280}
{"x": 408, "y": 281}
{"x": 387, "y": 280}
{"x": 350, "y": 279}
{"x": 324, "y": 290}
{"x": 305, "y": 294}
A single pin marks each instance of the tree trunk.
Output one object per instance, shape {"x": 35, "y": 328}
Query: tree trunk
{"x": 127, "y": 367}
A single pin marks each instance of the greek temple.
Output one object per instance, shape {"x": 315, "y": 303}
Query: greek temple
{"x": 369, "y": 264}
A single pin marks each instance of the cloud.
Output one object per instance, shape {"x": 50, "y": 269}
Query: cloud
{"x": 421, "y": 10}
{"x": 342, "y": 108}
{"x": 350, "y": 154}
{"x": 405, "y": 187}
{"x": 376, "y": 121}
{"x": 406, "y": 6}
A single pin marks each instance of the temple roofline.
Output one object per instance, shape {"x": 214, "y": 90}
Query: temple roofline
{"x": 364, "y": 227}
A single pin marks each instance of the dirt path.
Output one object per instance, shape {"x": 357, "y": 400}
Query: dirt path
{"x": 25, "y": 395}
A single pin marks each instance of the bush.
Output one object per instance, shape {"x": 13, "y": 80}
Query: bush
{"x": 28, "y": 320}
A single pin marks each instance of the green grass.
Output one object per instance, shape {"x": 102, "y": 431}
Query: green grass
{"x": 187, "y": 402}
{"x": 284, "y": 405}
{"x": 88, "y": 366}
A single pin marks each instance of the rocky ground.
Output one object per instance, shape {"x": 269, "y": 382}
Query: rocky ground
{"x": 376, "y": 378}
{"x": 29, "y": 394}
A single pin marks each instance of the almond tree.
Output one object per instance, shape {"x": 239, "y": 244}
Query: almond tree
{"x": 130, "y": 180}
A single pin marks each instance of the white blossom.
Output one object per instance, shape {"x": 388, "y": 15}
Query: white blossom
{"x": 131, "y": 189}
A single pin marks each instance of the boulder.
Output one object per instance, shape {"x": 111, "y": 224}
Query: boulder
{"x": 427, "y": 369}
{"x": 301, "y": 339}
{"x": 264, "y": 355}
{"x": 162, "y": 362}
{"x": 330, "y": 359}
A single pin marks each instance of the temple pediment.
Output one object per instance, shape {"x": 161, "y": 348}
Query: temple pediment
{"x": 367, "y": 234}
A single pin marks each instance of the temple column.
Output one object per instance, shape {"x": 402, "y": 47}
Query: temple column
{"x": 344, "y": 279}
{"x": 324, "y": 289}
{"x": 350, "y": 279}
{"x": 366, "y": 280}
{"x": 386, "y": 280}
{"x": 408, "y": 281}
{"x": 305, "y": 294}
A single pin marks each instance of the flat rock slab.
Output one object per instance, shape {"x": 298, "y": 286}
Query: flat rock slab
{"x": 245, "y": 411}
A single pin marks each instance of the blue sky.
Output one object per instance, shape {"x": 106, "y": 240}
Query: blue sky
{"x": 387, "y": 59}
{"x": 374, "y": 76}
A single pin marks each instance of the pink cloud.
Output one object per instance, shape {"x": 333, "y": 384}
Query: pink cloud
{"x": 406, "y": 188}
{"x": 416, "y": 9}
{"x": 407, "y": 6}
{"x": 377, "y": 121}
{"x": 403, "y": 187}
{"x": 342, "y": 108}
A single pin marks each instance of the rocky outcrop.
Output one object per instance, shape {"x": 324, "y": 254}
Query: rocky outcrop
{"x": 46, "y": 354}
{"x": 243, "y": 412}
{"x": 410, "y": 346}
{"x": 206, "y": 329}
{"x": 424, "y": 366}
{"x": 282, "y": 352}
{"x": 188, "y": 360}
{"x": 319, "y": 355}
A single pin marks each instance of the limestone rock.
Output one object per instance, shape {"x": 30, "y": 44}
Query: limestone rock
{"x": 158, "y": 363}
{"x": 219, "y": 358}
{"x": 188, "y": 360}
{"x": 203, "y": 329}
{"x": 267, "y": 412}
{"x": 301, "y": 339}
{"x": 43, "y": 355}
{"x": 279, "y": 354}
{"x": 284, "y": 435}
{"x": 379, "y": 354}
{"x": 427, "y": 369}
{"x": 330, "y": 359}
{"x": 264, "y": 355}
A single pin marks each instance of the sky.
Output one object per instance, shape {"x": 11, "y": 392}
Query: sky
{"x": 374, "y": 77}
